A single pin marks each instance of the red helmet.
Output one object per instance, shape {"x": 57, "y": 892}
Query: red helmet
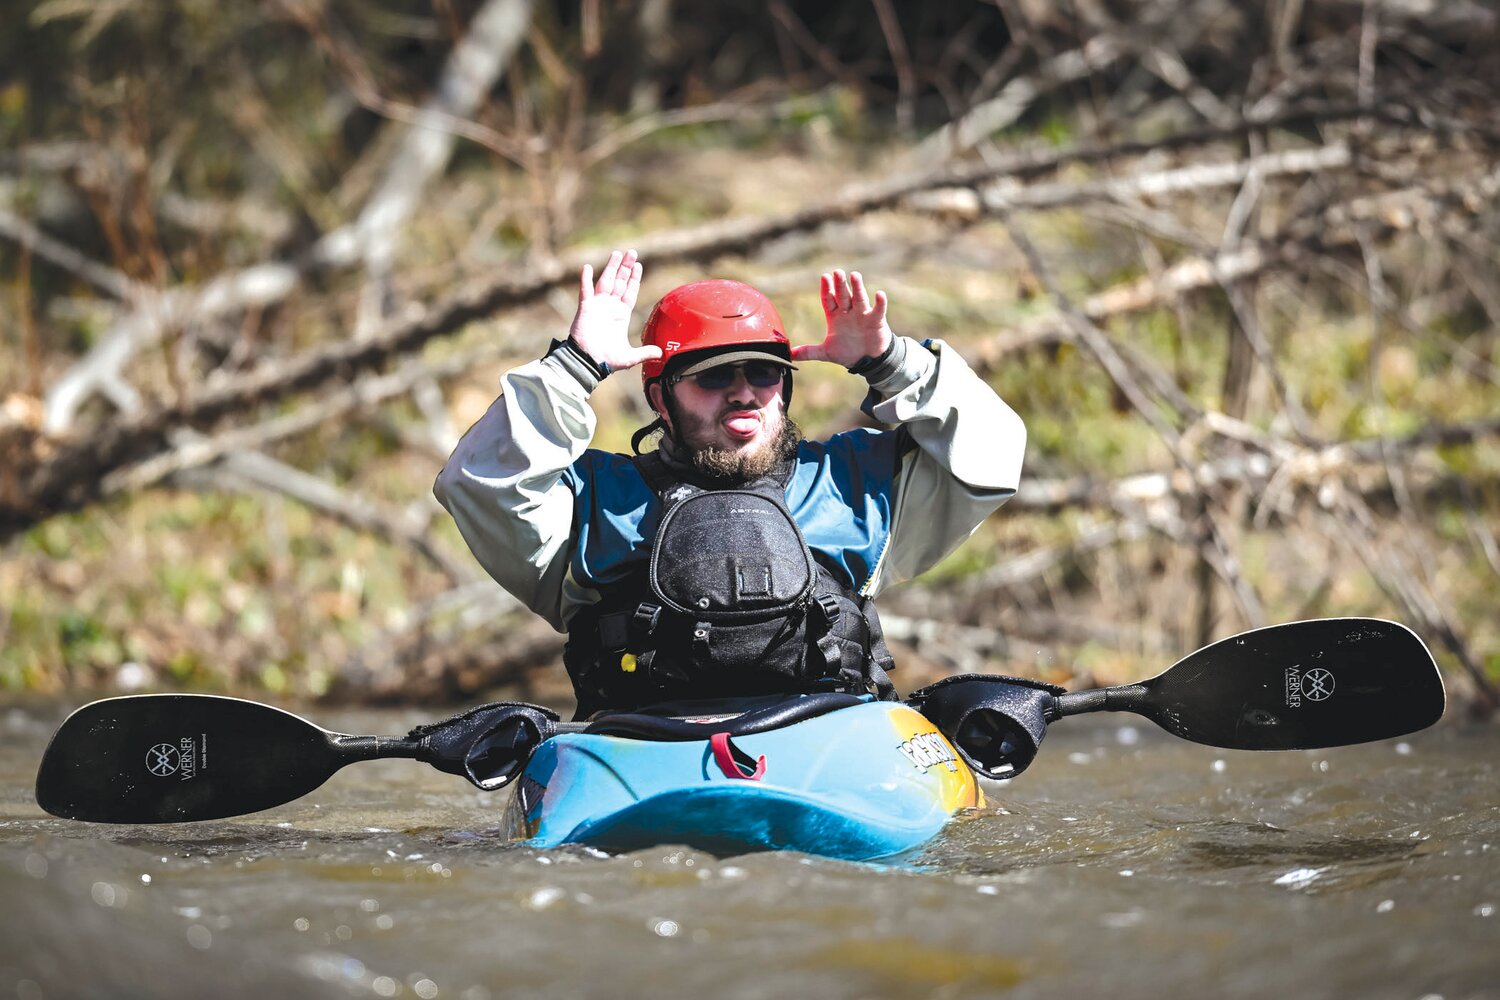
{"x": 712, "y": 314}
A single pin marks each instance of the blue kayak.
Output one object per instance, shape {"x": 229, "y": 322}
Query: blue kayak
{"x": 832, "y": 775}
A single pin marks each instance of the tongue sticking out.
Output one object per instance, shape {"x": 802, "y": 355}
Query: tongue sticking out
{"x": 742, "y": 425}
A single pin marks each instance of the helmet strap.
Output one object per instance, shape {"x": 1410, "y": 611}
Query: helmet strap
{"x": 645, "y": 432}
{"x": 660, "y": 423}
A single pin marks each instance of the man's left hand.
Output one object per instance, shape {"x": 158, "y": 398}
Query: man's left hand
{"x": 601, "y": 327}
{"x": 856, "y": 329}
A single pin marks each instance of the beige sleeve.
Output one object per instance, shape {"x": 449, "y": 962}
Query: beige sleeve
{"x": 967, "y": 460}
{"x": 509, "y": 485}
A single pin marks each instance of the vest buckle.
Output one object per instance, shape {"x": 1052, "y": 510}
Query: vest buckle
{"x": 646, "y": 618}
{"x": 829, "y": 605}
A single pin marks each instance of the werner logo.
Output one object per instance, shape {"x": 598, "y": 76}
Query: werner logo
{"x": 161, "y": 760}
{"x": 183, "y": 760}
{"x": 928, "y": 750}
{"x": 1314, "y": 685}
{"x": 1317, "y": 684}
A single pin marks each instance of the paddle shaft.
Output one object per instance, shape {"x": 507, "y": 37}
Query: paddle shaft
{"x": 1124, "y": 698}
{"x": 352, "y": 749}
{"x": 356, "y": 748}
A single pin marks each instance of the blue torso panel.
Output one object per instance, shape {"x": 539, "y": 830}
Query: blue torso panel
{"x": 841, "y": 495}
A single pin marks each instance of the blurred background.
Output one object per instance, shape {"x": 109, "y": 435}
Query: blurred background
{"x": 262, "y": 263}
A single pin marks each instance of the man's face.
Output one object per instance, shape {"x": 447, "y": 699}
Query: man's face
{"x": 740, "y": 419}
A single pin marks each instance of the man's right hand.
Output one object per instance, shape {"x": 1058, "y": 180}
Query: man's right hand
{"x": 601, "y": 327}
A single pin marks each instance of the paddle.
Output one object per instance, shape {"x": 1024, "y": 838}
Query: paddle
{"x": 169, "y": 758}
{"x": 1322, "y": 683}
{"x": 174, "y": 757}
{"x": 1299, "y": 686}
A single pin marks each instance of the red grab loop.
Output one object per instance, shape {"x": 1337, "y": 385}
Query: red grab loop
{"x": 734, "y": 762}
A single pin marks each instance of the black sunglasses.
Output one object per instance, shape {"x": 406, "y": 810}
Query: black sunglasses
{"x": 761, "y": 374}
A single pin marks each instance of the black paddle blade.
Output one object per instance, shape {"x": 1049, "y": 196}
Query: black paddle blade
{"x": 1322, "y": 683}
{"x": 172, "y": 758}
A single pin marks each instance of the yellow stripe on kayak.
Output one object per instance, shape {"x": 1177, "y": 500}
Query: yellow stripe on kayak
{"x": 929, "y": 752}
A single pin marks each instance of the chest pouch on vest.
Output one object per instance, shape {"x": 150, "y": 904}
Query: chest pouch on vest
{"x": 736, "y": 584}
{"x": 731, "y": 556}
{"x": 731, "y": 603}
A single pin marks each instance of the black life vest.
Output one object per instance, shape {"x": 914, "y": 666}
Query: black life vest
{"x": 732, "y": 602}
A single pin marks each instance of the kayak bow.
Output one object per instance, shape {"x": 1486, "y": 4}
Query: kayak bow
{"x": 865, "y": 780}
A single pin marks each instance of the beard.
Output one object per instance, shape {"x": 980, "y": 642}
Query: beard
{"x": 727, "y": 467}
{"x": 736, "y": 467}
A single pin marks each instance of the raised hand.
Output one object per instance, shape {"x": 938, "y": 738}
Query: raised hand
{"x": 856, "y": 329}
{"x": 601, "y": 327}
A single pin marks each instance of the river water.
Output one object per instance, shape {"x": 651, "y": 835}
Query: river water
{"x": 1123, "y": 863}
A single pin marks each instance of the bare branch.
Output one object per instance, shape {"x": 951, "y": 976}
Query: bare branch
{"x": 1290, "y": 464}
{"x": 1396, "y": 575}
{"x": 649, "y": 124}
{"x": 103, "y": 366}
{"x": 363, "y": 395}
{"x": 252, "y": 470}
{"x": 1017, "y": 96}
{"x": 1215, "y": 549}
{"x": 1166, "y": 63}
{"x": 906, "y": 80}
{"x": 470, "y": 71}
{"x": 107, "y": 279}
{"x": 1300, "y": 242}
{"x": 495, "y": 31}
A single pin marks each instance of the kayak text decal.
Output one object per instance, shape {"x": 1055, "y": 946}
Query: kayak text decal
{"x": 1314, "y": 685}
{"x": 927, "y": 750}
{"x": 183, "y": 760}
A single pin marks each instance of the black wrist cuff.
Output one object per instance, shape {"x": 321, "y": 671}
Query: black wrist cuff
{"x": 870, "y": 362}
{"x": 577, "y": 362}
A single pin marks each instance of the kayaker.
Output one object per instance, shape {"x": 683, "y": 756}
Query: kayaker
{"x": 736, "y": 557}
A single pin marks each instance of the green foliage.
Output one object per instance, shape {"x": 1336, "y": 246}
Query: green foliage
{"x": 1071, "y": 414}
{"x": 1056, "y": 129}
